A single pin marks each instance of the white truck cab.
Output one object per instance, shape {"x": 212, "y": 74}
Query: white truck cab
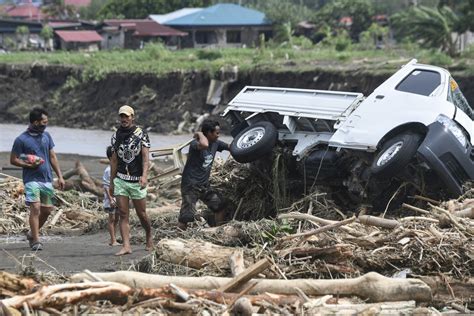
{"x": 418, "y": 113}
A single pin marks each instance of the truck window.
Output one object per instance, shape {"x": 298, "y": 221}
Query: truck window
{"x": 421, "y": 82}
{"x": 456, "y": 97}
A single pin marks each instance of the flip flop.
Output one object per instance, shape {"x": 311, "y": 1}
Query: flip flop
{"x": 37, "y": 246}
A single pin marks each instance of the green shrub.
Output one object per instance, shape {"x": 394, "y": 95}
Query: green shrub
{"x": 439, "y": 59}
{"x": 208, "y": 54}
{"x": 302, "y": 42}
{"x": 156, "y": 50}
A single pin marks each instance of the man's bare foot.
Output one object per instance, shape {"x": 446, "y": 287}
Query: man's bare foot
{"x": 182, "y": 226}
{"x": 113, "y": 243}
{"x": 124, "y": 251}
{"x": 149, "y": 245}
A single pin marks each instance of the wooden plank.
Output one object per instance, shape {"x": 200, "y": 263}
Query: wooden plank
{"x": 246, "y": 275}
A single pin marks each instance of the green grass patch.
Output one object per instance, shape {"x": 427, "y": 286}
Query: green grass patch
{"x": 158, "y": 60}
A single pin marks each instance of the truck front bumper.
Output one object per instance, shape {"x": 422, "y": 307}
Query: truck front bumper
{"x": 453, "y": 163}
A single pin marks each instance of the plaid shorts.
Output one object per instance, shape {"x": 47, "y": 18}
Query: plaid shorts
{"x": 39, "y": 192}
{"x": 190, "y": 194}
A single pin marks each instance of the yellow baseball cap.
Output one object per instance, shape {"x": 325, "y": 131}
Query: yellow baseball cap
{"x": 127, "y": 110}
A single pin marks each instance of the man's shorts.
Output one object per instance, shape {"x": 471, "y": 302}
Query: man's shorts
{"x": 42, "y": 192}
{"x": 132, "y": 190}
{"x": 190, "y": 195}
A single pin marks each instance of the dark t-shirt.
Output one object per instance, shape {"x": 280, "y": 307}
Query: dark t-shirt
{"x": 39, "y": 145}
{"x": 199, "y": 163}
{"x": 128, "y": 143}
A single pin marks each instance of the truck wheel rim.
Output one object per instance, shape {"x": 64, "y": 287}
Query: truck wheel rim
{"x": 389, "y": 153}
{"x": 251, "y": 137}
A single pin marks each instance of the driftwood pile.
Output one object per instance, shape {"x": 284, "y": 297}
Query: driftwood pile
{"x": 311, "y": 258}
{"x": 76, "y": 212}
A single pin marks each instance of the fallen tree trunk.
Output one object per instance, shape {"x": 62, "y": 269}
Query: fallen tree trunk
{"x": 193, "y": 253}
{"x": 372, "y": 286}
{"x": 385, "y": 308}
{"x": 85, "y": 183}
{"x": 59, "y": 296}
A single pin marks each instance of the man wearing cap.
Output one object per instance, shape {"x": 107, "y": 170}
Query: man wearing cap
{"x": 128, "y": 178}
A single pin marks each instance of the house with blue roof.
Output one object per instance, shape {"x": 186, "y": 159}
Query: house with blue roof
{"x": 220, "y": 25}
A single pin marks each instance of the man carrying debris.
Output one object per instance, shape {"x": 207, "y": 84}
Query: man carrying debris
{"x": 33, "y": 151}
{"x": 195, "y": 179}
{"x": 129, "y": 172}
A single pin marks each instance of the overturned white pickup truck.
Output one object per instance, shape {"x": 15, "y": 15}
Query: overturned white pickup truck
{"x": 418, "y": 119}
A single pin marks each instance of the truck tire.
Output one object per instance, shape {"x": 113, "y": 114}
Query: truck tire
{"x": 395, "y": 154}
{"x": 253, "y": 142}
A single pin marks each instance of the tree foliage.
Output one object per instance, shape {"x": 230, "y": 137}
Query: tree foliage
{"x": 58, "y": 9}
{"x": 91, "y": 12}
{"x": 47, "y": 32}
{"x": 465, "y": 10}
{"x": 139, "y": 9}
{"x": 431, "y": 27}
{"x": 361, "y": 12}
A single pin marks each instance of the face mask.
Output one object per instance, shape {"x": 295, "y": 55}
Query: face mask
{"x": 37, "y": 128}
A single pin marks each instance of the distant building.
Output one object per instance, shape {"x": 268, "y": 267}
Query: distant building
{"x": 221, "y": 25}
{"x": 79, "y": 40}
{"x": 464, "y": 40}
{"x": 163, "y": 18}
{"x": 27, "y": 11}
{"x": 133, "y": 34}
{"x": 9, "y": 39}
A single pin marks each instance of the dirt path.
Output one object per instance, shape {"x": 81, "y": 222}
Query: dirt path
{"x": 66, "y": 254}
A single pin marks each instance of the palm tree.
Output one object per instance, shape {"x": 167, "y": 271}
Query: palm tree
{"x": 47, "y": 34}
{"x": 23, "y": 34}
{"x": 432, "y": 27}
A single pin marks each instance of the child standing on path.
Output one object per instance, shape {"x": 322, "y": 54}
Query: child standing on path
{"x": 109, "y": 202}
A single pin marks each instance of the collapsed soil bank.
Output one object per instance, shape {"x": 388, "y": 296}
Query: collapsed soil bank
{"x": 160, "y": 101}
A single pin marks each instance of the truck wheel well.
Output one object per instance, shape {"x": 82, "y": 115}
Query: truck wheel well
{"x": 419, "y": 128}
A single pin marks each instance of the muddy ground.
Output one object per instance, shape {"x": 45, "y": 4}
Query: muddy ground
{"x": 66, "y": 254}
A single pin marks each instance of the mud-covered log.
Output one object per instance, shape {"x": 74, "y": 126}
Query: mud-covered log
{"x": 378, "y": 222}
{"x": 14, "y": 283}
{"x": 85, "y": 182}
{"x": 333, "y": 254}
{"x": 193, "y": 253}
{"x": 371, "y": 286}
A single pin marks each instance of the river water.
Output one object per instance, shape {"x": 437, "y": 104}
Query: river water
{"x": 85, "y": 142}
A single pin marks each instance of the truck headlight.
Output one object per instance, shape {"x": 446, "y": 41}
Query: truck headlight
{"x": 453, "y": 128}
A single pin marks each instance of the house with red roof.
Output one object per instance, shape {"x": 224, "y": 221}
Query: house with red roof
{"x": 25, "y": 11}
{"x": 79, "y": 40}
{"x": 133, "y": 34}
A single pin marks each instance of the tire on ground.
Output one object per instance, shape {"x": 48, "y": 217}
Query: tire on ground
{"x": 395, "y": 154}
{"x": 254, "y": 142}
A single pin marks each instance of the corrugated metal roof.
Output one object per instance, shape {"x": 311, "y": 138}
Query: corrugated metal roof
{"x": 25, "y": 10}
{"x": 221, "y": 15}
{"x": 79, "y": 36}
{"x": 163, "y": 18}
{"x": 59, "y": 24}
{"x": 145, "y": 27}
